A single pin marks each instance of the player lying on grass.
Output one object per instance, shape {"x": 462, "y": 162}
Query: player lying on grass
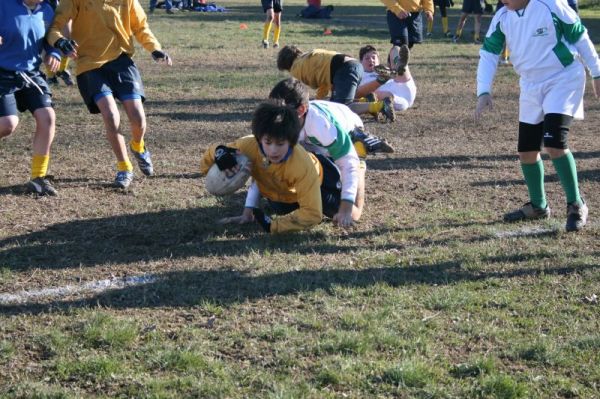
{"x": 298, "y": 186}
{"x": 380, "y": 83}
{"x": 329, "y": 128}
{"x": 547, "y": 43}
{"x": 22, "y": 85}
{"x": 328, "y": 71}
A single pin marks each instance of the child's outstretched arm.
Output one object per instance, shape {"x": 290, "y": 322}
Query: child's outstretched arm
{"x": 252, "y": 202}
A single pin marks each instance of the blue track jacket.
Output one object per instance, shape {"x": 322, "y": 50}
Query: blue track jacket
{"x": 22, "y": 31}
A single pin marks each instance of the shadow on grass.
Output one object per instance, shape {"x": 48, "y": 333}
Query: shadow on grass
{"x": 225, "y": 287}
{"x": 173, "y": 234}
{"x": 582, "y": 175}
{"x": 461, "y": 162}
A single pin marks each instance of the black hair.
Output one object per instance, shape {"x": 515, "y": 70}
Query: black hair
{"x": 292, "y": 91}
{"x": 364, "y": 50}
{"x": 286, "y": 57}
{"x": 277, "y": 121}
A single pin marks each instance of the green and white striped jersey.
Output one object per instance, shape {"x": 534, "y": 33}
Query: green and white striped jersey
{"x": 543, "y": 38}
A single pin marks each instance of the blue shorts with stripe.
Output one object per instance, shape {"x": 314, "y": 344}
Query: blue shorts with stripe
{"x": 119, "y": 78}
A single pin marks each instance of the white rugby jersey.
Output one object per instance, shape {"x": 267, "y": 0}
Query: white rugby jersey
{"x": 326, "y": 130}
{"x": 543, "y": 38}
{"x": 401, "y": 90}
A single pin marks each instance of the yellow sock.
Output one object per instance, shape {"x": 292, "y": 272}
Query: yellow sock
{"x": 39, "y": 165}
{"x": 137, "y": 146}
{"x": 266, "y": 30}
{"x": 375, "y": 107}
{"x": 276, "y": 33}
{"x": 361, "y": 151}
{"x": 445, "y": 24}
{"x": 429, "y": 26}
{"x": 64, "y": 63}
{"x": 458, "y": 32}
{"x": 505, "y": 53}
{"x": 49, "y": 73}
{"x": 124, "y": 166}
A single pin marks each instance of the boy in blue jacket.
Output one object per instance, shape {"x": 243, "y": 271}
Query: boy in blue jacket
{"x": 23, "y": 25}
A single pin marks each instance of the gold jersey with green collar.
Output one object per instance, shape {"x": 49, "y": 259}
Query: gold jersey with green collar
{"x": 295, "y": 180}
{"x": 103, "y": 29}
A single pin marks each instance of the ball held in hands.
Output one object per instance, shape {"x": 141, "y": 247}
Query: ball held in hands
{"x": 218, "y": 182}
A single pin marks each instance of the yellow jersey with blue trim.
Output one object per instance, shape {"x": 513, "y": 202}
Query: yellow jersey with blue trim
{"x": 295, "y": 180}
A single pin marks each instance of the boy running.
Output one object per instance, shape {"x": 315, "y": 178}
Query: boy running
{"x": 102, "y": 43}
{"x": 22, "y": 85}
{"x": 546, "y": 40}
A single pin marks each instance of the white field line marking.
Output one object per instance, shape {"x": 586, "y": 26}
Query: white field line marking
{"x": 92, "y": 286}
{"x": 525, "y": 232}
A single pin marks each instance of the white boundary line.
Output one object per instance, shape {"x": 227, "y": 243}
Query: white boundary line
{"x": 92, "y": 286}
{"x": 525, "y": 232}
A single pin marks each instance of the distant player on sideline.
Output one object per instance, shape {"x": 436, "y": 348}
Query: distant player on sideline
{"x": 552, "y": 81}
{"x": 272, "y": 9}
{"x": 469, "y": 7}
{"x": 22, "y": 85}
{"x": 110, "y": 72}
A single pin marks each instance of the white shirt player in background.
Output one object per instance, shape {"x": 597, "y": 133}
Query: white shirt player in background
{"x": 401, "y": 89}
{"x": 548, "y": 49}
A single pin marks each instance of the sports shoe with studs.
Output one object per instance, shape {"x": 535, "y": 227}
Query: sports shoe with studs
{"x": 52, "y": 81}
{"x": 144, "y": 160}
{"x": 276, "y": 45}
{"x": 66, "y": 77}
{"x": 576, "y": 216}
{"x": 41, "y": 186}
{"x": 399, "y": 56}
{"x": 384, "y": 72}
{"x": 387, "y": 113}
{"x": 265, "y": 44}
{"x": 527, "y": 212}
{"x": 455, "y": 39}
{"x": 373, "y": 144}
{"x": 123, "y": 179}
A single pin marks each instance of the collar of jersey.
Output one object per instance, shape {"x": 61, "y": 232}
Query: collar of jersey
{"x": 285, "y": 158}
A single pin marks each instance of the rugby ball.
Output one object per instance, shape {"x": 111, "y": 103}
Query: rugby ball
{"x": 218, "y": 183}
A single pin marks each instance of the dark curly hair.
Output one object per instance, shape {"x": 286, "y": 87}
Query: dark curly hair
{"x": 277, "y": 121}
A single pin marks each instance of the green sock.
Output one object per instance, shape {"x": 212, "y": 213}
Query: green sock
{"x": 534, "y": 178}
{"x": 567, "y": 173}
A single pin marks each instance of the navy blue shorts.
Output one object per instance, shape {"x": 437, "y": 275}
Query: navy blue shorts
{"x": 276, "y": 5}
{"x": 331, "y": 191}
{"x": 119, "y": 78}
{"x": 18, "y": 94}
{"x": 472, "y": 7}
{"x": 407, "y": 31}
{"x": 345, "y": 82}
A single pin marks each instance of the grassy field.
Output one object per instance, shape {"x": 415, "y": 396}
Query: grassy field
{"x": 429, "y": 296}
